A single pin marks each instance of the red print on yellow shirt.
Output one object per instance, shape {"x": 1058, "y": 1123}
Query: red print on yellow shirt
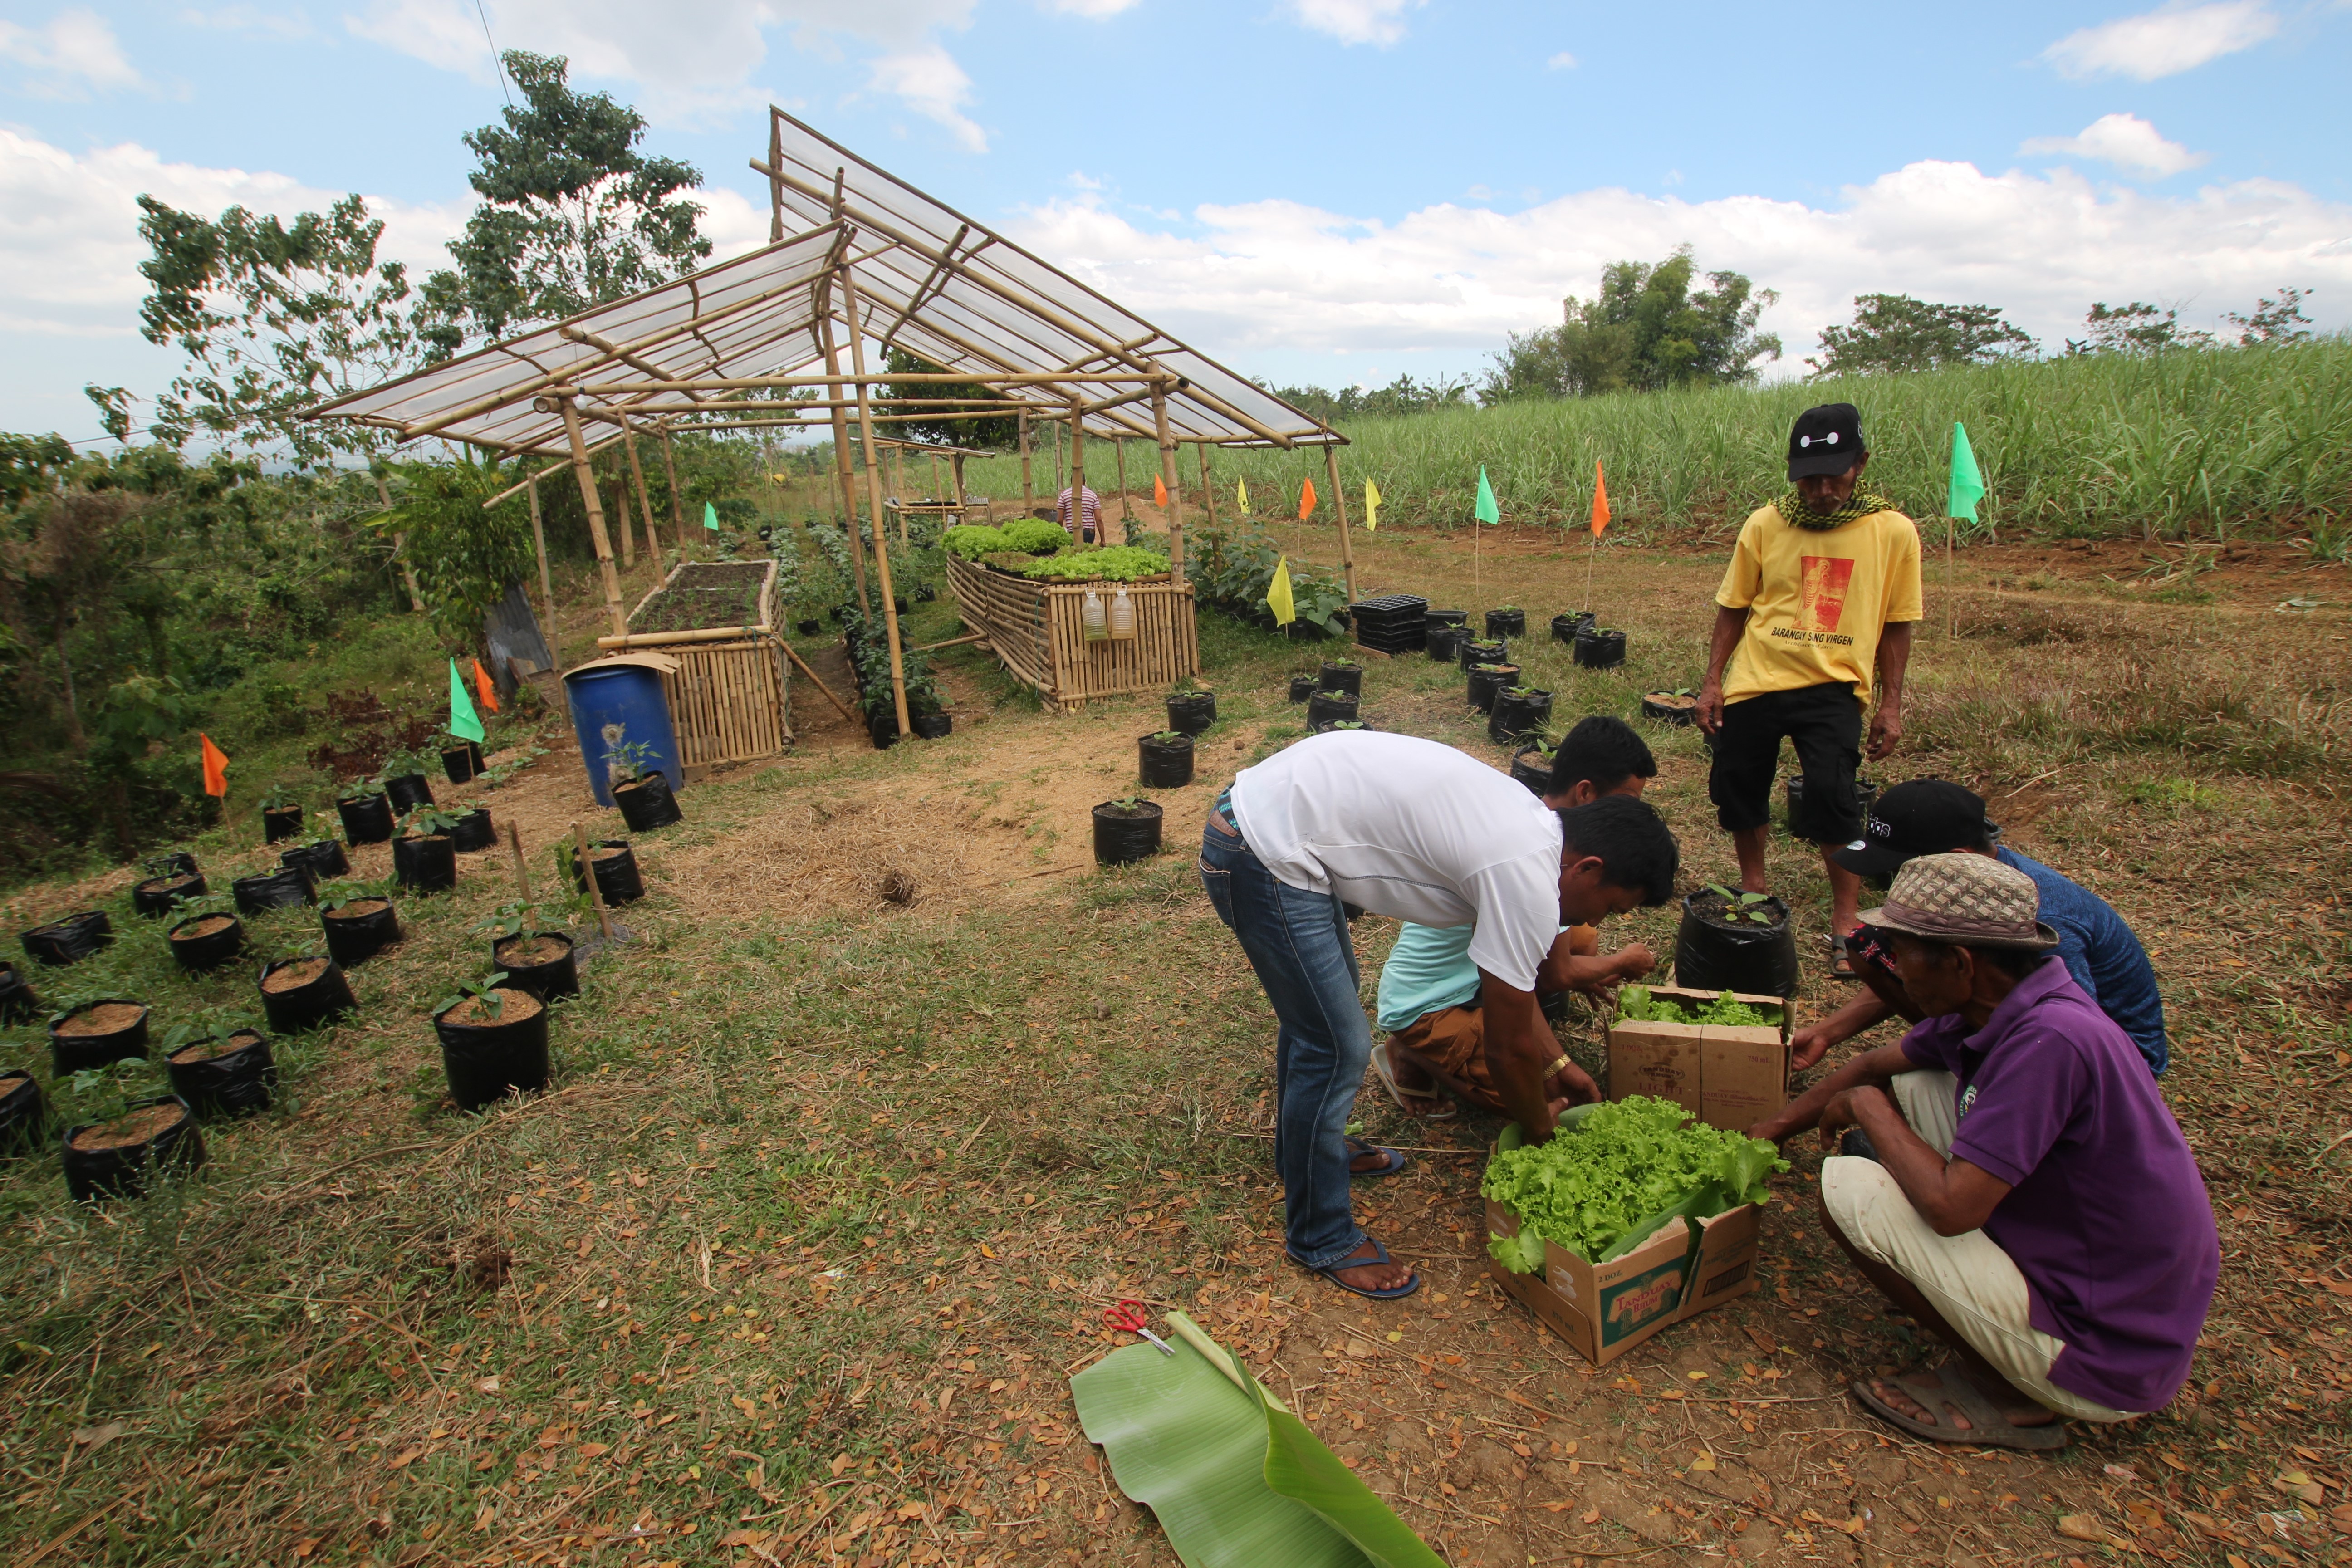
{"x": 1823, "y": 597}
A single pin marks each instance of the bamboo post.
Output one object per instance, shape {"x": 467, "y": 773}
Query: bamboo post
{"x": 1078, "y": 472}
{"x": 775, "y": 175}
{"x": 1126, "y": 508}
{"x": 1339, "y": 503}
{"x": 874, "y": 495}
{"x": 843, "y": 473}
{"x": 603, "y": 541}
{"x": 677, "y": 507}
{"x": 793, "y": 654}
{"x": 936, "y": 486}
{"x": 897, "y": 461}
{"x": 522, "y": 871}
{"x": 1168, "y": 478}
{"x": 621, "y": 510}
{"x": 955, "y": 472}
{"x": 588, "y": 874}
{"x": 1208, "y": 492}
{"x": 539, "y": 543}
{"x": 1028, "y": 491}
{"x": 645, "y": 503}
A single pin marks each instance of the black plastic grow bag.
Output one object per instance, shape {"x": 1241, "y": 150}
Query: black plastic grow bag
{"x": 1759, "y": 960}
{"x": 427, "y": 865}
{"x": 155, "y": 897}
{"x": 474, "y": 831}
{"x": 1164, "y": 764}
{"x": 194, "y": 953}
{"x": 356, "y": 938}
{"x": 1507, "y": 623}
{"x": 367, "y": 819}
{"x": 1120, "y": 838}
{"x": 408, "y": 791}
{"x": 236, "y": 1082}
{"x": 279, "y": 889}
{"x": 1192, "y": 712}
{"x": 125, "y": 1172}
{"x": 70, "y": 1053}
{"x": 23, "y": 1112}
{"x": 324, "y": 859}
{"x": 1347, "y": 678}
{"x": 70, "y": 940}
{"x": 617, "y": 877}
{"x": 486, "y": 1062}
{"x": 325, "y": 996}
{"x": 1597, "y": 649}
{"x": 1484, "y": 680}
{"x": 546, "y": 980}
{"x": 17, "y": 1003}
{"x": 280, "y": 823}
{"x": 1518, "y": 715}
{"x": 1325, "y": 708}
{"x": 647, "y": 803}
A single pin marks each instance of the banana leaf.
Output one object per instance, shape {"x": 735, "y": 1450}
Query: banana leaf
{"x": 1236, "y": 1481}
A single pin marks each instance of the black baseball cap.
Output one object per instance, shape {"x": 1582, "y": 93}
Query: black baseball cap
{"x": 1827, "y": 439}
{"x": 1925, "y": 817}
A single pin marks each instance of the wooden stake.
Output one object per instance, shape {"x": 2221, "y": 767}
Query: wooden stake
{"x": 621, "y": 510}
{"x": 588, "y": 874}
{"x": 1339, "y": 501}
{"x": 1126, "y": 508}
{"x": 596, "y": 534}
{"x": 843, "y": 471}
{"x": 792, "y": 654}
{"x": 677, "y": 507}
{"x": 522, "y": 871}
{"x": 955, "y": 472}
{"x": 1589, "y": 557}
{"x": 546, "y": 587}
{"x": 874, "y": 495}
{"x": 1028, "y": 491}
{"x": 1951, "y": 530}
{"x": 1175, "y": 489}
{"x": 645, "y": 504}
{"x": 1208, "y": 492}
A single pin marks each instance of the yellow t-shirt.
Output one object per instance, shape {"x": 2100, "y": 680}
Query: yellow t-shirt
{"x": 1816, "y": 602}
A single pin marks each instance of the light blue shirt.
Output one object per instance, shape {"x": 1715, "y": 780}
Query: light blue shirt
{"x": 1428, "y": 971}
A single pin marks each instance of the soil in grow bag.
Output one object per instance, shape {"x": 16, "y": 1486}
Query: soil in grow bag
{"x": 23, "y": 1112}
{"x": 1445, "y": 643}
{"x": 1165, "y": 763}
{"x": 299, "y": 994}
{"x": 541, "y": 963}
{"x": 1722, "y": 946}
{"x": 1485, "y": 679}
{"x": 1800, "y": 823}
{"x": 488, "y": 1056}
{"x": 1518, "y": 714}
{"x": 1564, "y": 628}
{"x": 154, "y": 897}
{"x": 1125, "y": 832}
{"x": 324, "y": 859}
{"x": 232, "y": 1076}
{"x": 1433, "y": 619}
{"x": 934, "y": 726}
{"x": 408, "y": 791}
{"x": 96, "y": 1034}
{"x": 474, "y": 831}
{"x": 360, "y": 929}
{"x": 205, "y": 942}
{"x": 1598, "y": 649}
{"x": 70, "y": 940}
{"x": 1342, "y": 677}
{"x": 17, "y": 1003}
{"x": 174, "y": 863}
{"x": 1670, "y": 706}
{"x": 280, "y": 823}
{"x": 279, "y": 889}
{"x": 1472, "y": 650}
{"x": 426, "y": 865}
{"x": 1507, "y": 623}
{"x": 617, "y": 877}
{"x": 1192, "y": 712}
{"x": 1532, "y": 768}
{"x": 462, "y": 763}
{"x": 118, "y": 1158}
{"x": 367, "y": 819}
{"x": 1302, "y": 687}
{"x": 647, "y": 803}
{"x": 1325, "y": 708}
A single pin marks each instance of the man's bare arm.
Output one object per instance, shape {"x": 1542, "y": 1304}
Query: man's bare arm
{"x": 1728, "y": 625}
{"x": 1952, "y": 1196}
{"x": 1869, "y": 1069}
{"x": 1519, "y": 1048}
{"x": 1894, "y": 664}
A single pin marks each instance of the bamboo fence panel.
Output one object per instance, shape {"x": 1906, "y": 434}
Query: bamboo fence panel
{"x": 729, "y": 701}
{"x": 1038, "y": 630}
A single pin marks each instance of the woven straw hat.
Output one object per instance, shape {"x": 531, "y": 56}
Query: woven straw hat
{"x": 1968, "y": 900}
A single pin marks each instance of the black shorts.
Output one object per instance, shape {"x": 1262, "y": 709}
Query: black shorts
{"x": 1825, "y": 724}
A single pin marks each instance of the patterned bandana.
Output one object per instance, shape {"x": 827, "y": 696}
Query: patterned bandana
{"x": 1864, "y": 502}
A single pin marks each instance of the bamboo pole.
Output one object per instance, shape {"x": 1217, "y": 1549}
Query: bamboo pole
{"x": 874, "y": 495}
{"x": 1208, "y": 492}
{"x": 522, "y": 871}
{"x": 843, "y": 474}
{"x": 628, "y": 537}
{"x": 645, "y": 503}
{"x": 676, "y": 639}
{"x": 775, "y": 185}
{"x": 1175, "y": 491}
{"x": 1028, "y": 491}
{"x": 898, "y": 488}
{"x": 539, "y": 543}
{"x": 603, "y": 541}
{"x": 1339, "y": 502}
{"x": 677, "y": 506}
{"x": 1079, "y": 477}
{"x": 1126, "y": 509}
{"x": 955, "y": 472}
{"x": 588, "y": 874}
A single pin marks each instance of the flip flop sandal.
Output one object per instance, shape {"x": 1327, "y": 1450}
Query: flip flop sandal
{"x": 1948, "y": 1388}
{"x": 1385, "y": 1066}
{"x": 1397, "y": 1159}
{"x": 1840, "y": 961}
{"x": 1379, "y": 1254}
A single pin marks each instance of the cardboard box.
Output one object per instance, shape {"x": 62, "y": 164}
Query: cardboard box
{"x": 1606, "y": 1309}
{"x": 1729, "y": 1078}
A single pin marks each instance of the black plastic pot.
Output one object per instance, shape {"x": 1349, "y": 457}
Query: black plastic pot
{"x": 1302, "y": 687}
{"x": 69, "y": 940}
{"x": 1564, "y": 628}
{"x": 323, "y": 858}
{"x": 1491, "y": 650}
{"x": 154, "y": 897}
{"x": 367, "y": 819}
{"x": 462, "y": 763}
{"x": 23, "y": 1112}
{"x": 1507, "y": 623}
{"x": 1759, "y": 959}
{"x": 172, "y": 863}
{"x": 647, "y": 803}
{"x": 925, "y": 593}
{"x": 810, "y": 628}
{"x": 325, "y": 996}
{"x": 934, "y": 726}
{"x": 126, "y": 1170}
{"x": 1532, "y": 768}
{"x": 1347, "y": 678}
{"x": 617, "y": 877}
{"x": 1327, "y": 708}
{"x": 1485, "y": 679}
{"x": 1516, "y": 716}
{"x": 428, "y": 865}
{"x": 486, "y": 1062}
{"x": 1800, "y": 823}
{"x": 1445, "y": 643}
{"x": 279, "y": 889}
{"x": 1597, "y": 649}
{"x": 1120, "y": 838}
{"x": 408, "y": 791}
{"x": 17, "y": 1003}
{"x": 280, "y": 823}
{"x": 1165, "y": 765}
{"x": 356, "y": 938}
{"x": 195, "y": 953}
{"x": 1191, "y": 712}
{"x": 236, "y": 1082}
{"x": 76, "y": 1053}
{"x": 1669, "y": 708}
{"x": 882, "y": 729}
{"x": 474, "y": 831}
{"x": 1435, "y": 618}
{"x": 547, "y": 979}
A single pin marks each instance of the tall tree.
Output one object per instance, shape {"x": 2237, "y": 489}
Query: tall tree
{"x": 2138, "y": 328}
{"x": 999, "y": 431}
{"x": 1644, "y": 330}
{"x": 574, "y": 215}
{"x": 1891, "y": 333}
{"x": 2279, "y": 320}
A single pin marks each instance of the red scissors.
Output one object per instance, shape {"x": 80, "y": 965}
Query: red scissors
{"x": 1127, "y": 1318}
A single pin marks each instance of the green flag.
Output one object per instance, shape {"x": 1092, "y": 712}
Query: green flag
{"x": 464, "y": 722}
{"x": 1967, "y": 482}
{"x": 1485, "y": 510}
{"x": 710, "y": 517}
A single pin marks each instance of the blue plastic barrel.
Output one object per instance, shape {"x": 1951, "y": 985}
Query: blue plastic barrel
{"x": 614, "y": 703}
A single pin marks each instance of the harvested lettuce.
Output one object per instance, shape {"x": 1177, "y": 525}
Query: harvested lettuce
{"x": 1641, "y": 1004}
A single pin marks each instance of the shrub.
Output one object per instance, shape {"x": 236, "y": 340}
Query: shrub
{"x": 1232, "y": 570}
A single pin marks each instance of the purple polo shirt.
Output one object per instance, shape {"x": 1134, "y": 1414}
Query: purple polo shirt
{"x": 2106, "y": 1216}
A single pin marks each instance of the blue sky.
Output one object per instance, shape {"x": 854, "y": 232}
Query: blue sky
{"x": 1335, "y": 190}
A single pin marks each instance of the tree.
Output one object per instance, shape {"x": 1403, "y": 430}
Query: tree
{"x": 273, "y": 318}
{"x": 1892, "y": 333}
{"x": 2279, "y": 320}
{"x": 2138, "y": 328}
{"x": 997, "y": 431}
{"x": 1400, "y": 397}
{"x": 1644, "y": 330}
{"x": 465, "y": 556}
{"x": 574, "y": 215}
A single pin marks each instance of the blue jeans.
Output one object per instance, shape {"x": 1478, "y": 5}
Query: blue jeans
{"x": 1297, "y": 943}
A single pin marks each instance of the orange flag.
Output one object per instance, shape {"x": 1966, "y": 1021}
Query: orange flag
{"x": 1599, "y": 499}
{"x": 485, "y": 687}
{"x": 1159, "y": 492}
{"x": 1306, "y": 502}
{"x": 215, "y": 762}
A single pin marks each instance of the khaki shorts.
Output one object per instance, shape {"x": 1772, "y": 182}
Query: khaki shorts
{"x": 1967, "y": 1278}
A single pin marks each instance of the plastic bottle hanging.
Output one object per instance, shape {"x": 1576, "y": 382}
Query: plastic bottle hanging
{"x": 1122, "y": 617}
{"x": 1090, "y": 615}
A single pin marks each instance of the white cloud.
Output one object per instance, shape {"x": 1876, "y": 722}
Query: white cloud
{"x": 2164, "y": 42}
{"x": 2127, "y": 142}
{"x": 1092, "y": 7}
{"x": 931, "y": 83}
{"x": 75, "y": 52}
{"x": 1378, "y": 22}
{"x": 1562, "y": 61}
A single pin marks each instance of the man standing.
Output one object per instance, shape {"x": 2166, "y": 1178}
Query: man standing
{"x": 1817, "y": 606}
{"x": 1410, "y": 829}
{"x": 1088, "y": 516}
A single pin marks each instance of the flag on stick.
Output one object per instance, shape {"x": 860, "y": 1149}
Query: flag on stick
{"x": 485, "y": 687}
{"x": 1599, "y": 499}
{"x": 464, "y": 722}
{"x": 1485, "y": 510}
{"x": 1278, "y": 594}
{"x": 1241, "y": 489}
{"x": 1967, "y": 486}
{"x": 1306, "y": 502}
{"x": 1372, "y": 507}
{"x": 215, "y": 764}
{"x": 1159, "y": 491}
{"x": 710, "y": 517}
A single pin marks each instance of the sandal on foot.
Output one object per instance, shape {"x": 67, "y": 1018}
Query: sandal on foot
{"x": 1379, "y": 1254}
{"x": 1397, "y": 1158}
{"x": 1841, "y": 960}
{"x": 1947, "y": 1388}
{"x": 1384, "y": 1065}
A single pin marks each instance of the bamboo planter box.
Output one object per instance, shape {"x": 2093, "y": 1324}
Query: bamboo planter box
{"x": 728, "y": 700}
{"x": 1036, "y": 630}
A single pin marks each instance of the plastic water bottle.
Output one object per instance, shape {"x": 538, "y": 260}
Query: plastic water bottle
{"x": 1090, "y": 615}
{"x": 1122, "y": 617}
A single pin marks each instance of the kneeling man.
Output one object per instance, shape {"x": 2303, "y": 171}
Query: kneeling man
{"x": 2026, "y": 1194}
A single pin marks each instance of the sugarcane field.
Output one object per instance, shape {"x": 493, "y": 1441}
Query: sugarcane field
{"x": 742, "y": 828}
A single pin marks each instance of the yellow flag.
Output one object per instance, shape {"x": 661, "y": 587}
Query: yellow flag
{"x": 1240, "y": 488}
{"x": 1278, "y": 594}
{"x": 1371, "y": 506}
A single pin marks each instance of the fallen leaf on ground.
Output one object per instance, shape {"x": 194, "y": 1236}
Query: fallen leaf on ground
{"x": 2084, "y": 1527}
{"x": 100, "y": 1435}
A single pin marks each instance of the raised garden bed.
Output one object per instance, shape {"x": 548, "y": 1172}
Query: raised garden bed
{"x": 727, "y": 698}
{"x": 1038, "y": 630}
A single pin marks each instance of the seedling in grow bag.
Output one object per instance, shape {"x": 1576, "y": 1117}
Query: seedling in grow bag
{"x": 206, "y": 935}
{"x": 166, "y": 885}
{"x": 1743, "y": 906}
{"x": 281, "y": 814}
{"x": 490, "y": 1002}
{"x": 425, "y": 856}
{"x": 365, "y": 811}
{"x": 90, "y": 1029}
{"x": 303, "y": 987}
{"x": 358, "y": 919}
{"x": 219, "y": 1062}
{"x": 403, "y": 780}
{"x": 131, "y": 1130}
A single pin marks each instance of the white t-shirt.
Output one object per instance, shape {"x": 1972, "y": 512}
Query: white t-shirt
{"x": 1415, "y": 829}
